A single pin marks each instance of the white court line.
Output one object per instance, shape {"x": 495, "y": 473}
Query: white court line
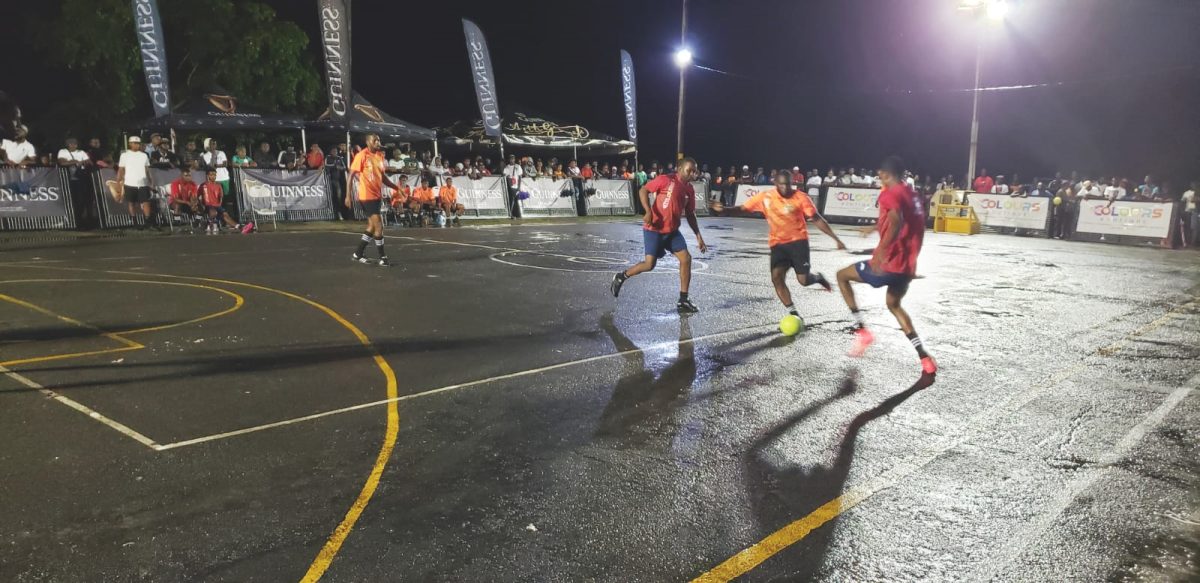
{"x": 502, "y": 377}
{"x": 1067, "y": 495}
{"x": 76, "y": 405}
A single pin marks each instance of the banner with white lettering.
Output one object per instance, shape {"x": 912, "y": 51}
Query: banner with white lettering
{"x": 284, "y": 191}
{"x": 32, "y": 192}
{"x": 334, "y": 16}
{"x": 485, "y": 197}
{"x": 548, "y": 197}
{"x": 1002, "y": 210}
{"x": 148, "y": 27}
{"x": 629, "y": 94}
{"x": 610, "y": 197}
{"x": 854, "y": 202}
{"x": 703, "y": 192}
{"x": 485, "y": 80}
{"x": 1134, "y": 219}
{"x": 745, "y": 191}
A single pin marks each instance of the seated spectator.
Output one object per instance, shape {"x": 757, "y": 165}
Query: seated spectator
{"x": 95, "y": 152}
{"x": 73, "y": 158}
{"x": 184, "y": 198}
{"x": 264, "y": 158}
{"x": 422, "y": 198}
{"x": 401, "y": 196}
{"x": 162, "y": 157}
{"x": 190, "y": 154}
{"x": 288, "y": 159}
{"x": 448, "y": 197}
{"x": 212, "y": 193}
{"x": 18, "y": 150}
{"x": 241, "y": 159}
{"x": 436, "y": 167}
{"x": 315, "y": 159}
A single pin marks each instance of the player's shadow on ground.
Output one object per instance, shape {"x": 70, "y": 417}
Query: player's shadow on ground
{"x": 782, "y": 491}
{"x": 642, "y": 409}
{"x": 59, "y": 333}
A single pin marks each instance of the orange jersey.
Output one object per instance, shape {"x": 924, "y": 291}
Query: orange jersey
{"x": 370, "y": 167}
{"x": 786, "y": 216}
{"x": 400, "y": 197}
{"x": 449, "y": 194}
{"x": 423, "y": 195}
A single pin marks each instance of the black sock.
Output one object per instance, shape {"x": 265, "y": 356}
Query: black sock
{"x": 379, "y": 247}
{"x": 362, "y": 244}
{"x": 858, "y": 319}
{"x": 916, "y": 342}
{"x": 683, "y": 296}
{"x": 815, "y": 279}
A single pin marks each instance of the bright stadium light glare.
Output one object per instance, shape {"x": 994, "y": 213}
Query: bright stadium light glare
{"x": 683, "y": 58}
{"x": 997, "y": 9}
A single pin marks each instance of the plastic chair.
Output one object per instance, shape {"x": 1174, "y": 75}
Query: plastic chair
{"x": 258, "y": 194}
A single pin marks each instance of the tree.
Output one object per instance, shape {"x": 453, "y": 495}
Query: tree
{"x": 239, "y": 45}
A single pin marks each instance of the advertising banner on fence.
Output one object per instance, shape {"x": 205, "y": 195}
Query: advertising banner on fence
{"x": 1002, "y": 210}
{"x": 284, "y": 190}
{"x": 614, "y": 196}
{"x": 1133, "y": 219}
{"x": 485, "y": 194}
{"x": 548, "y": 196}
{"x": 744, "y": 192}
{"x": 851, "y": 202}
{"x": 32, "y": 192}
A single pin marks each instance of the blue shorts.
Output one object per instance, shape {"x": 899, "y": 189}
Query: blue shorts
{"x": 899, "y": 281}
{"x": 657, "y": 244}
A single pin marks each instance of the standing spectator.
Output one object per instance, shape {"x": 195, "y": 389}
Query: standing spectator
{"x": 559, "y": 172}
{"x": 74, "y": 159}
{"x": 705, "y": 175}
{"x": 264, "y": 158}
{"x": 512, "y": 179}
{"x": 162, "y": 157}
{"x": 19, "y": 151}
{"x": 95, "y": 151}
{"x": 78, "y": 163}
{"x": 1001, "y": 185}
{"x": 1090, "y": 191}
{"x": 335, "y": 174}
{"x": 133, "y": 174}
{"x": 436, "y": 167}
{"x": 760, "y": 176}
{"x": 215, "y": 159}
{"x": 983, "y": 183}
{"x": 573, "y": 169}
{"x": 1113, "y": 191}
{"x": 1191, "y": 219}
{"x": 1148, "y": 190}
{"x": 191, "y": 156}
{"x": 1066, "y": 211}
{"x": 315, "y": 160}
{"x": 587, "y": 173}
{"x": 528, "y": 168}
{"x": 155, "y": 141}
{"x": 1040, "y": 191}
{"x": 640, "y": 176}
{"x": 539, "y": 169}
{"x": 288, "y": 159}
{"x": 241, "y": 159}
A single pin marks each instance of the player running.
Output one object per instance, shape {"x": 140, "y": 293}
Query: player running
{"x": 368, "y": 166}
{"x": 787, "y": 211}
{"x": 901, "y": 231}
{"x": 674, "y": 198}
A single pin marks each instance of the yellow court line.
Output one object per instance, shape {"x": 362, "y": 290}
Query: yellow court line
{"x": 238, "y": 302}
{"x": 754, "y": 555}
{"x": 334, "y": 543}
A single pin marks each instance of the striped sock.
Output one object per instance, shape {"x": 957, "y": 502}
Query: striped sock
{"x": 917, "y": 344}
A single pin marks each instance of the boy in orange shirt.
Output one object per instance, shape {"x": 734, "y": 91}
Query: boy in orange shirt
{"x": 787, "y": 212}
{"x": 449, "y": 201}
{"x": 401, "y": 195}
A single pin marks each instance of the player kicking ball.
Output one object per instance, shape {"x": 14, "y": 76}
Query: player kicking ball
{"x": 787, "y": 211}
{"x": 901, "y": 228}
{"x": 368, "y": 167}
{"x": 674, "y": 199}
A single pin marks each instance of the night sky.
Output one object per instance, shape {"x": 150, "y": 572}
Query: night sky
{"x": 815, "y": 82}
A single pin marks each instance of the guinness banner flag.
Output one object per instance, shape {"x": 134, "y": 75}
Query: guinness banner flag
{"x": 629, "y": 94}
{"x": 33, "y": 192}
{"x": 282, "y": 190}
{"x": 148, "y": 25}
{"x": 485, "y": 81}
{"x": 335, "y": 45}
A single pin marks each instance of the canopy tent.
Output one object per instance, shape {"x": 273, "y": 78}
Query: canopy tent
{"x": 218, "y": 109}
{"x": 535, "y": 131}
{"x": 368, "y": 119}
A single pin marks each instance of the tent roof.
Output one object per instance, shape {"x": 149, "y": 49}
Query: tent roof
{"x": 366, "y": 118}
{"x": 524, "y": 128}
{"x": 218, "y": 109}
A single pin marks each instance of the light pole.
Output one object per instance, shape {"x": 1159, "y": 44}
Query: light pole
{"x": 683, "y": 58}
{"x": 996, "y": 10}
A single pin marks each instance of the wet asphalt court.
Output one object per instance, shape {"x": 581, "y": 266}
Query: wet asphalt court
{"x": 233, "y": 423}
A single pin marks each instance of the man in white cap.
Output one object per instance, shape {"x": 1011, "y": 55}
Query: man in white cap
{"x": 133, "y": 174}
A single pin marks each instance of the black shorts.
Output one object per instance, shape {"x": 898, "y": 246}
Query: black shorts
{"x": 137, "y": 194}
{"x": 793, "y": 255}
{"x": 371, "y": 207}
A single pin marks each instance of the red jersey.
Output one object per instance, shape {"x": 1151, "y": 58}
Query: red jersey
{"x": 984, "y": 184}
{"x": 673, "y": 199}
{"x": 901, "y": 255}
{"x": 211, "y": 193}
{"x": 182, "y": 192}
